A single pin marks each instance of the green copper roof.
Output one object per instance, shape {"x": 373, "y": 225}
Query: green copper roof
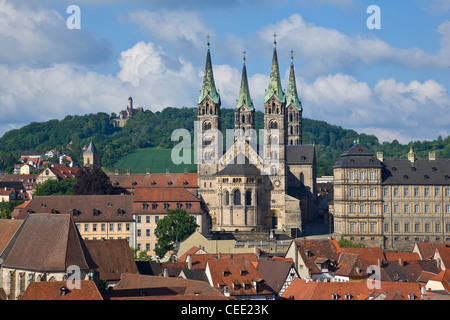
{"x": 244, "y": 94}
{"x": 292, "y": 96}
{"x": 275, "y": 82}
{"x": 209, "y": 87}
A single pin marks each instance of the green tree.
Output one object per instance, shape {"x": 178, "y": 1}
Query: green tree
{"x": 345, "y": 243}
{"x": 54, "y": 187}
{"x": 175, "y": 227}
{"x": 92, "y": 181}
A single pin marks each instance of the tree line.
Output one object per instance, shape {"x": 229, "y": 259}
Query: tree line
{"x": 154, "y": 129}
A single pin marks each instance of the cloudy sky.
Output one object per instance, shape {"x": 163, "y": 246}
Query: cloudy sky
{"x": 392, "y": 82}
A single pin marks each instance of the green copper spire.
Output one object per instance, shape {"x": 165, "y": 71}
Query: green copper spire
{"x": 275, "y": 82}
{"x": 209, "y": 87}
{"x": 292, "y": 96}
{"x": 244, "y": 94}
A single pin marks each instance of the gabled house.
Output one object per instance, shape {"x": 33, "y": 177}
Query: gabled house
{"x": 440, "y": 283}
{"x": 113, "y": 258}
{"x": 442, "y": 256}
{"x": 426, "y": 250}
{"x": 301, "y": 289}
{"x": 314, "y": 259}
{"x": 60, "y": 291}
{"x": 44, "y": 248}
{"x": 350, "y": 268}
{"x": 57, "y": 172}
{"x": 278, "y": 274}
{"x": 144, "y": 287}
{"x": 239, "y": 279}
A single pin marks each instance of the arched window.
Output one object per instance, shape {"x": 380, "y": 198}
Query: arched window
{"x": 273, "y": 125}
{"x": 290, "y": 116}
{"x": 227, "y": 198}
{"x": 248, "y": 198}
{"x": 243, "y": 119}
{"x": 237, "y": 197}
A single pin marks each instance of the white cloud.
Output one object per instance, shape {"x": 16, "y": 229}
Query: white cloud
{"x": 36, "y": 36}
{"x": 184, "y": 29}
{"x": 327, "y": 49}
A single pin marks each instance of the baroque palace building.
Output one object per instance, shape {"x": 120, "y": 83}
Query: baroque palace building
{"x": 262, "y": 180}
{"x": 391, "y": 203}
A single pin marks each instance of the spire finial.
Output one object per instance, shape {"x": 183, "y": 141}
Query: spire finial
{"x": 208, "y": 37}
{"x": 292, "y": 56}
{"x": 275, "y": 38}
{"x": 243, "y": 52}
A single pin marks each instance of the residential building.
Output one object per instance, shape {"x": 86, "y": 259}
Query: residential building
{"x": 144, "y": 287}
{"x": 96, "y": 216}
{"x": 391, "y": 203}
{"x": 113, "y": 258}
{"x": 278, "y": 274}
{"x": 238, "y": 279}
{"x": 151, "y": 204}
{"x": 59, "y": 291}
{"x": 57, "y": 172}
{"x": 314, "y": 259}
{"x": 46, "y": 247}
{"x": 301, "y": 289}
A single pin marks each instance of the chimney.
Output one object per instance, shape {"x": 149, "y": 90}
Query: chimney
{"x": 189, "y": 261}
{"x": 186, "y": 170}
{"x": 379, "y": 263}
{"x": 380, "y": 156}
{"x": 128, "y": 171}
{"x": 148, "y": 171}
{"x": 411, "y": 155}
{"x": 166, "y": 273}
{"x": 400, "y": 262}
{"x": 167, "y": 170}
{"x": 431, "y": 155}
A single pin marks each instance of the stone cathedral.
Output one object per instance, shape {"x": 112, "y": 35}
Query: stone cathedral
{"x": 264, "y": 180}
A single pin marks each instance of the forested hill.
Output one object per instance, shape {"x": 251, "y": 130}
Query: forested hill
{"x": 154, "y": 129}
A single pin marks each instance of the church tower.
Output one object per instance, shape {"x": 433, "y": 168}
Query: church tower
{"x": 293, "y": 110}
{"x": 91, "y": 157}
{"x": 208, "y": 127}
{"x": 244, "y": 113}
{"x": 275, "y": 119}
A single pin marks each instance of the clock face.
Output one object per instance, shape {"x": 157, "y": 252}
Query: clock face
{"x": 277, "y": 183}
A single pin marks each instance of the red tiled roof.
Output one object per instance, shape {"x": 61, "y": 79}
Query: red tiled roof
{"x": 113, "y": 258}
{"x": 51, "y": 290}
{"x": 405, "y": 256}
{"x": 311, "y": 290}
{"x": 157, "y": 180}
{"x": 312, "y": 249}
{"x": 428, "y": 249}
{"x": 137, "y": 286}
{"x": 239, "y": 275}
{"x": 199, "y": 260}
{"x": 444, "y": 253}
{"x": 7, "y": 229}
{"x": 369, "y": 256}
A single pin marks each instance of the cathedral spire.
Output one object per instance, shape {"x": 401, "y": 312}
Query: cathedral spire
{"x": 244, "y": 94}
{"x": 275, "y": 81}
{"x": 292, "y": 95}
{"x": 209, "y": 87}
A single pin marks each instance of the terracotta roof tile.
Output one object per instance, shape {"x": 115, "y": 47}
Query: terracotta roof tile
{"x": 57, "y": 290}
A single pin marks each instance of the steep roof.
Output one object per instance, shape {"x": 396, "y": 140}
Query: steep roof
{"x": 113, "y": 257}
{"x": 428, "y": 249}
{"x": 240, "y": 166}
{"x": 420, "y": 172}
{"x": 82, "y": 207}
{"x": 274, "y": 272}
{"x": 51, "y": 290}
{"x": 300, "y": 289}
{"x": 154, "y": 180}
{"x": 244, "y": 93}
{"x": 91, "y": 148}
{"x": 209, "y": 87}
{"x": 358, "y": 156}
{"x": 275, "y": 81}
{"x": 239, "y": 275}
{"x": 47, "y": 242}
{"x": 155, "y": 287}
{"x": 7, "y": 229}
{"x": 292, "y": 95}
{"x": 312, "y": 250}
{"x": 300, "y": 154}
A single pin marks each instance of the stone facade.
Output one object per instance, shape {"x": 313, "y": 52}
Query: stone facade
{"x": 259, "y": 181}
{"x": 392, "y": 203}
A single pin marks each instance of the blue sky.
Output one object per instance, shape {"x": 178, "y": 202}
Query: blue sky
{"x": 392, "y": 82}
